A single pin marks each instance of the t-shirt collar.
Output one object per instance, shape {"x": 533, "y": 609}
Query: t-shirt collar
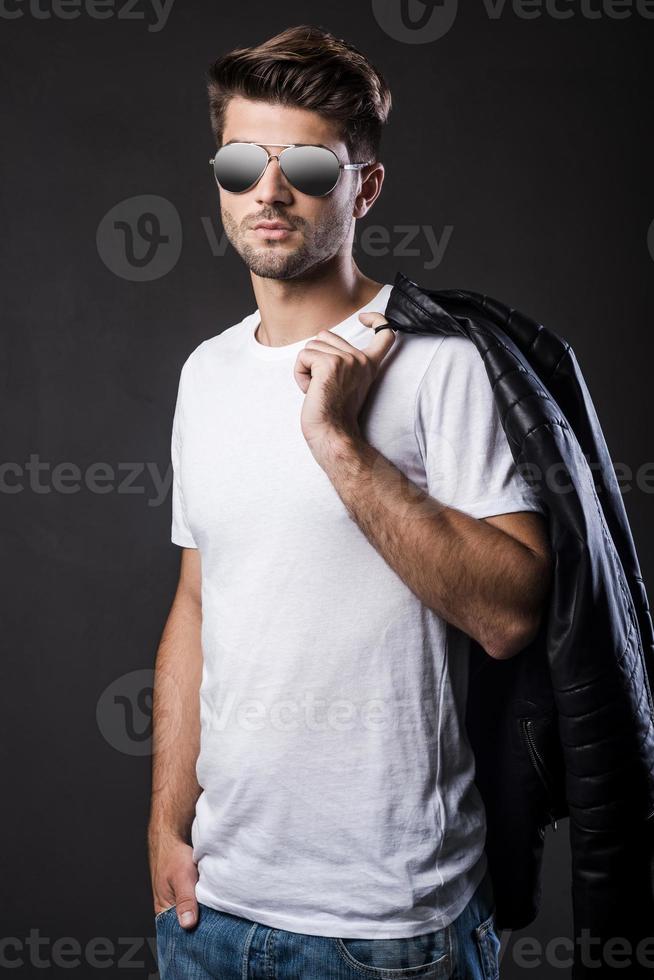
{"x": 348, "y": 329}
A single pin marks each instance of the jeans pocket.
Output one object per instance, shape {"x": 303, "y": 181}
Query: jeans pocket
{"x": 164, "y": 912}
{"x": 488, "y": 944}
{"x": 425, "y": 957}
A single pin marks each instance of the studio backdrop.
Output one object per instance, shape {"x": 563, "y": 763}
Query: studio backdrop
{"x": 518, "y": 161}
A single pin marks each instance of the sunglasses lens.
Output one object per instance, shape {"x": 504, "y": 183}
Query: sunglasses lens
{"x": 237, "y": 166}
{"x": 312, "y": 170}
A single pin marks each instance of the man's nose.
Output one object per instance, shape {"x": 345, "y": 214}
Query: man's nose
{"x": 273, "y": 186}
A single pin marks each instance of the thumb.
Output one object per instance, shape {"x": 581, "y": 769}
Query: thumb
{"x": 382, "y": 341}
{"x": 186, "y": 904}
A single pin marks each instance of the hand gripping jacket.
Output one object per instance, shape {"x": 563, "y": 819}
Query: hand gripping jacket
{"x": 566, "y": 727}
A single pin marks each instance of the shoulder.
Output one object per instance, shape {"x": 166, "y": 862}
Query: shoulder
{"x": 216, "y": 350}
{"x": 455, "y": 362}
{"x": 456, "y": 349}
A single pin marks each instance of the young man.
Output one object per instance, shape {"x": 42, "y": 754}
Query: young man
{"x": 349, "y": 514}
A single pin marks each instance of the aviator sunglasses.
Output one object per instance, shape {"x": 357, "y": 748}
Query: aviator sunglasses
{"x": 312, "y": 170}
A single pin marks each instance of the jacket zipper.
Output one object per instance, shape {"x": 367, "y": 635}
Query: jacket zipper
{"x": 539, "y": 765}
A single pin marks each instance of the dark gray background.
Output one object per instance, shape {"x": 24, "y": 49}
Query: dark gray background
{"x": 531, "y": 138}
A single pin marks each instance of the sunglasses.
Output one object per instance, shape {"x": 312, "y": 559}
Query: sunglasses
{"x": 312, "y": 170}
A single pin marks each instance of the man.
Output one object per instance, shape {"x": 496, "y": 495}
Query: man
{"x": 350, "y": 514}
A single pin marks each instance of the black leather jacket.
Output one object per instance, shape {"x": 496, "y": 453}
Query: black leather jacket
{"x": 566, "y": 727}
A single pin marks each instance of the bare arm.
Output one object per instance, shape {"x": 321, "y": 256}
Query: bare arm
{"x": 488, "y": 577}
{"x": 176, "y": 744}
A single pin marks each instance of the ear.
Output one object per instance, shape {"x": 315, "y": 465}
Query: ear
{"x": 372, "y": 178}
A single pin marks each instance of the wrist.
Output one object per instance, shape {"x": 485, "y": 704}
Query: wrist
{"x": 160, "y": 834}
{"x": 338, "y": 445}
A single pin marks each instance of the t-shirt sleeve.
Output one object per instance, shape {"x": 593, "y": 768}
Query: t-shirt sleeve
{"x": 180, "y": 530}
{"x": 467, "y": 458}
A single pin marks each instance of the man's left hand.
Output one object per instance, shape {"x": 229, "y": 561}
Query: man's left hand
{"x": 335, "y": 377}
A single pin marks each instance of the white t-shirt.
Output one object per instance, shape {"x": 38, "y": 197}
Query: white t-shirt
{"x": 338, "y": 794}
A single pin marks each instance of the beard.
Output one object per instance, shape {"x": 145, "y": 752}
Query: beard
{"x": 278, "y": 260}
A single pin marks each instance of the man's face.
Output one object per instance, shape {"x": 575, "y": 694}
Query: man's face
{"x": 321, "y": 226}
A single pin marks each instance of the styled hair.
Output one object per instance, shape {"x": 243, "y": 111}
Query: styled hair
{"x": 308, "y": 68}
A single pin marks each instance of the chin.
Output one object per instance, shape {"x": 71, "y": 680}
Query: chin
{"x": 273, "y": 263}
{"x": 267, "y": 272}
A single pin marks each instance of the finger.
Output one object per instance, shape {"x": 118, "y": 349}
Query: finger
{"x": 163, "y": 893}
{"x": 327, "y": 347}
{"x": 308, "y": 363}
{"x": 186, "y": 905}
{"x": 381, "y": 342}
{"x": 335, "y": 341}
{"x": 339, "y": 350}
{"x": 302, "y": 369}
{"x": 373, "y": 319}
{"x": 163, "y": 904}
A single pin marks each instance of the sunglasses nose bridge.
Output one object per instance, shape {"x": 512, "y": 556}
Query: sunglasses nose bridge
{"x": 274, "y": 156}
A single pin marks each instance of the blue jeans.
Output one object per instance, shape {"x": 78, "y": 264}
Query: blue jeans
{"x": 223, "y": 946}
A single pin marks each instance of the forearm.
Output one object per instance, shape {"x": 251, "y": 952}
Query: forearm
{"x": 470, "y": 573}
{"x": 176, "y": 722}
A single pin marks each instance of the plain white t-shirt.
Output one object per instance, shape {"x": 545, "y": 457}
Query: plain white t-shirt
{"x": 338, "y": 794}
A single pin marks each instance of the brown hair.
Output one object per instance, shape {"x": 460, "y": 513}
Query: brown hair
{"x": 309, "y": 68}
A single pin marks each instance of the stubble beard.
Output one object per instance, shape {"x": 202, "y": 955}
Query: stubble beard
{"x": 277, "y": 261}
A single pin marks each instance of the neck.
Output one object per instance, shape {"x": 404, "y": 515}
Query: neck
{"x": 298, "y": 308}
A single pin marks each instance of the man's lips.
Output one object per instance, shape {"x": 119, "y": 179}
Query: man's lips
{"x": 272, "y": 229}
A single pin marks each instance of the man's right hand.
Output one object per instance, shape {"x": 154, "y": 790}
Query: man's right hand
{"x": 174, "y": 875}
